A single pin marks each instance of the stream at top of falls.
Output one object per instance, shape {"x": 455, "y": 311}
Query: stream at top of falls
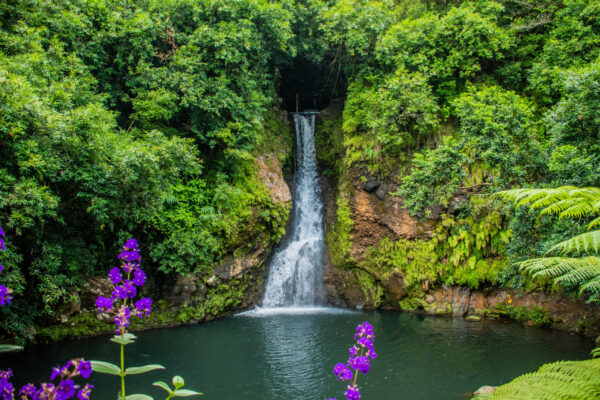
{"x": 286, "y": 349}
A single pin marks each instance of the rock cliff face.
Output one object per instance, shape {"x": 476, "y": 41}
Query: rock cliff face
{"x": 377, "y": 215}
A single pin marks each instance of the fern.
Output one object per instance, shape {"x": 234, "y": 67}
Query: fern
{"x": 588, "y": 242}
{"x": 566, "y": 202}
{"x": 562, "y": 380}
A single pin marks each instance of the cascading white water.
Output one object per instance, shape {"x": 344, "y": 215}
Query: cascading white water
{"x": 295, "y": 277}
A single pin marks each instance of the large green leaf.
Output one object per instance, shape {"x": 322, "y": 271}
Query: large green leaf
{"x": 143, "y": 369}
{"x": 186, "y": 393}
{"x": 124, "y": 339}
{"x": 138, "y": 396}
{"x": 9, "y": 347}
{"x": 163, "y": 385}
{"x": 104, "y": 367}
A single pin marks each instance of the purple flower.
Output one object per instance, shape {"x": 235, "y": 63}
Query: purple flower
{"x": 84, "y": 368}
{"x": 371, "y": 353}
{"x": 104, "y": 304}
{"x": 131, "y": 244}
{"x": 139, "y": 277}
{"x": 364, "y": 329}
{"x": 5, "y": 296}
{"x": 6, "y": 389}
{"x": 1, "y": 231}
{"x": 130, "y": 256}
{"x": 115, "y": 275}
{"x": 130, "y": 290}
{"x": 2, "y": 245}
{"x": 143, "y": 306}
{"x": 352, "y": 351}
{"x": 65, "y": 390}
{"x": 6, "y": 374}
{"x": 365, "y": 342}
{"x": 27, "y": 390}
{"x": 352, "y": 393}
{"x": 122, "y": 318}
{"x": 361, "y": 364}
{"x": 84, "y": 394}
{"x": 342, "y": 372}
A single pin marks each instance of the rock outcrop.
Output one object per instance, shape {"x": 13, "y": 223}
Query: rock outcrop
{"x": 270, "y": 174}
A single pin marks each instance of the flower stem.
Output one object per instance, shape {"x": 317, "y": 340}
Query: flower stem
{"x": 123, "y": 372}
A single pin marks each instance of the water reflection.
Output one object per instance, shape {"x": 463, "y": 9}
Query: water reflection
{"x": 294, "y": 356}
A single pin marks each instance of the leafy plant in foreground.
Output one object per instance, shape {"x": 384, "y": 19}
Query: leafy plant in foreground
{"x": 554, "y": 381}
{"x": 361, "y": 355}
{"x": 118, "y": 304}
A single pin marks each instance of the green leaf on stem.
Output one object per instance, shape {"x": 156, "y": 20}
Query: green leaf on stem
{"x": 124, "y": 339}
{"x": 186, "y": 393}
{"x": 163, "y": 385}
{"x": 143, "y": 369}
{"x": 9, "y": 347}
{"x": 105, "y": 368}
{"x": 138, "y": 396}
{"x": 178, "y": 382}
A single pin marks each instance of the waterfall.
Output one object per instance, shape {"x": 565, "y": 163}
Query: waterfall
{"x": 295, "y": 273}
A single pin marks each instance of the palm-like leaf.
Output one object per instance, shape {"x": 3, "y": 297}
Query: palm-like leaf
{"x": 566, "y": 202}
{"x": 555, "y": 381}
{"x": 588, "y": 242}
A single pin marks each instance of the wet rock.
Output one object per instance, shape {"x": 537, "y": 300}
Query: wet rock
{"x": 395, "y": 285}
{"x": 92, "y": 288}
{"x": 212, "y": 281}
{"x": 460, "y": 301}
{"x": 381, "y": 194}
{"x": 370, "y": 185}
{"x": 270, "y": 174}
{"x": 429, "y": 298}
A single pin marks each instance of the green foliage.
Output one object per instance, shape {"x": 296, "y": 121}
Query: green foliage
{"x": 554, "y": 381}
{"x": 536, "y": 315}
{"x": 339, "y": 236}
{"x": 434, "y": 179}
{"x": 566, "y": 202}
{"x": 391, "y": 115}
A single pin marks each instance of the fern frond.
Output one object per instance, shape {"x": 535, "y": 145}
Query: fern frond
{"x": 594, "y": 223}
{"x": 566, "y": 201}
{"x": 588, "y": 242}
{"x": 555, "y": 381}
{"x": 595, "y": 352}
{"x": 582, "y": 271}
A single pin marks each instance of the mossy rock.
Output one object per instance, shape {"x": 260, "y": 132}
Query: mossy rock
{"x": 473, "y": 318}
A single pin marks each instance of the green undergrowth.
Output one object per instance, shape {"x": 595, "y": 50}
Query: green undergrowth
{"x": 535, "y": 315}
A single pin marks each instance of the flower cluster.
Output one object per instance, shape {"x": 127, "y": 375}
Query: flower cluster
{"x": 360, "y": 358}
{"x": 5, "y": 293}
{"x": 64, "y": 389}
{"x": 126, "y": 278}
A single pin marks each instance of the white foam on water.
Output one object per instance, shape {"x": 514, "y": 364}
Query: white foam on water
{"x": 260, "y": 312}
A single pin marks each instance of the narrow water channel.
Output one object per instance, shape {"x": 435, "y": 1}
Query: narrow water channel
{"x": 291, "y": 357}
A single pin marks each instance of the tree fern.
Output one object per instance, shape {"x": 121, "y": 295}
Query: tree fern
{"x": 562, "y": 380}
{"x": 582, "y": 270}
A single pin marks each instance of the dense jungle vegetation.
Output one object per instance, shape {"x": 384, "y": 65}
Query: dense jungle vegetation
{"x": 144, "y": 118}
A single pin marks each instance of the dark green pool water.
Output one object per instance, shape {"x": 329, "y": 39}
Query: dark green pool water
{"x": 292, "y": 356}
